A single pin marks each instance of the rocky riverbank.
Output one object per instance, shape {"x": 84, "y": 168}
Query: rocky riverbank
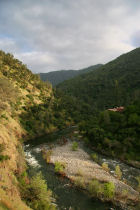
{"x": 83, "y": 172}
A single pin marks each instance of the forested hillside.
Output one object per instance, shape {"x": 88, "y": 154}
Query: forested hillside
{"x": 115, "y": 134}
{"x": 114, "y": 84}
{"x": 56, "y": 77}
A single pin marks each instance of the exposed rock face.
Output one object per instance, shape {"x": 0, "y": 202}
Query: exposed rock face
{"x": 80, "y": 162}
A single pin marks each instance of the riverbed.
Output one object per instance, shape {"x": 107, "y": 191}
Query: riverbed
{"x": 67, "y": 196}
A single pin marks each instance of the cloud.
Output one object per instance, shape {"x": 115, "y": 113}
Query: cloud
{"x": 61, "y": 34}
{"x": 36, "y": 60}
{"x": 135, "y": 39}
{"x": 8, "y": 44}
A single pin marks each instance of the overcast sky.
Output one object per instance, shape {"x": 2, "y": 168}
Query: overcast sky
{"x": 68, "y": 34}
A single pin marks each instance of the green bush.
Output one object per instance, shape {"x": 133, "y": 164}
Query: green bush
{"x": 30, "y": 97}
{"x": 138, "y": 180}
{"x": 59, "y": 167}
{"x": 4, "y": 116}
{"x": 74, "y": 146}
{"x": 4, "y": 157}
{"x": 36, "y": 194}
{"x": 2, "y": 147}
{"x": 95, "y": 188}
{"x": 79, "y": 182}
{"x": 105, "y": 166}
{"x": 94, "y": 157}
{"x": 124, "y": 193}
{"x": 109, "y": 190}
{"x": 118, "y": 172}
{"x": 86, "y": 140}
{"x": 48, "y": 155}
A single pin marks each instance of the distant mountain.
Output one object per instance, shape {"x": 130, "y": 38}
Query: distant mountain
{"x": 114, "y": 84}
{"x": 57, "y": 77}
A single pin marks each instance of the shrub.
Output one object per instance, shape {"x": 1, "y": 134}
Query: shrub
{"x": 79, "y": 182}
{"x": 138, "y": 179}
{"x": 109, "y": 190}
{"x": 4, "y": 157}
{"x": 36, "y": 194}
{"x": 74, "y": 146}
{"x": 2, "y": 147}
{"x": 105, "y": 166}
{"x": 124, "y": 193}
{"x": 47, "y": 155}
{"x": 30, "y": 97}
{"x": 86, "y": 140}
{"x": 4, "y": 116}
{"x": 118, "y": 172}
{"x": 95, "y": 188}
{"x": 7, "y": 90}
{"x": 59, "y": 167}
{"x": 94, "y": 157}
{"x": 79, "y": 172}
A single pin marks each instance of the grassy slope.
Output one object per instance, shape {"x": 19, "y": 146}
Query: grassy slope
{"x": 114, "y": 84}
{"x": 19, "y": 89}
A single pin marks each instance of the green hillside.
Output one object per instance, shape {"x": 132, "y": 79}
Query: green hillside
{"x": 114, "y": 84}
{"x": 115, "y": 133}
{"x": 56, "y": 77}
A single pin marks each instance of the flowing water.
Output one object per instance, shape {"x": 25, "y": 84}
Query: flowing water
{"x": 67, "y": 196}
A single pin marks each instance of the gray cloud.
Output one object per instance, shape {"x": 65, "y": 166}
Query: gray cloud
{"x": 61, "y": 34}
{"x": 135, "y": 39}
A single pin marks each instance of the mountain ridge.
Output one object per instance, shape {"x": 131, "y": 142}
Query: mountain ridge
{"x": 56, "y": 77}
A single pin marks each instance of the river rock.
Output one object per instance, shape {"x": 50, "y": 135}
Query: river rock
{"x": 79, "y": 162}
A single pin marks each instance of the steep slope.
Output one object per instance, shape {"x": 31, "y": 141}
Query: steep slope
{"x": 114, "y": 84}
{"x": 26, "y": 111}
{"x": 57, "y": 77}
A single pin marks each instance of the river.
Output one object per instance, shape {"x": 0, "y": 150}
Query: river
{"x": 68, "y": 197}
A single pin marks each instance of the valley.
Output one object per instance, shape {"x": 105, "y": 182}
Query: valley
{"x": 39, "y": 119}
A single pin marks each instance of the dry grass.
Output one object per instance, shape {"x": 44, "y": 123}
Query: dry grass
{"x": 11, "y": 202}
{"x": 13, "y": 96}
{"x": 5, "y": 205}
{"x": 10, "y": 132}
